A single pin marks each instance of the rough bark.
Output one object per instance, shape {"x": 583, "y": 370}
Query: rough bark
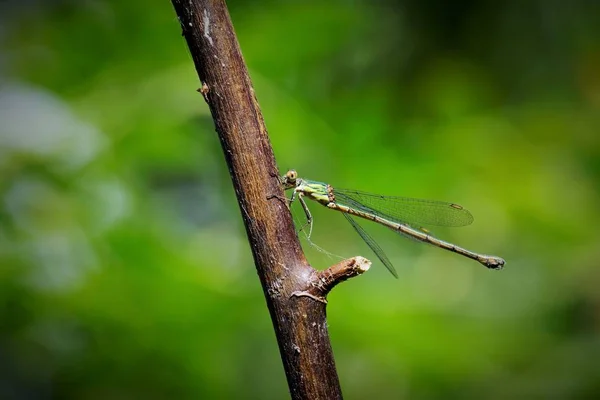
{"x": 299, "y": 319}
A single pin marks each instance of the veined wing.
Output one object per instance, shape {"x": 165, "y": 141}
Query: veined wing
{"x": 372, "y": 244}
{"x": 414, "y": 212}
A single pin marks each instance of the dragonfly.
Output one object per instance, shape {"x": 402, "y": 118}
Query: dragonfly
{"x": 401, "y": 214}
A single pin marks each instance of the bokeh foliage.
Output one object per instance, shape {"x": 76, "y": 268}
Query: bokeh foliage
{"x": 125, "y": 271}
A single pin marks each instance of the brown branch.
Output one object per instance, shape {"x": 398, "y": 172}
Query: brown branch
{"x": 299, "y": 322}
{"x": 321, "y": 282}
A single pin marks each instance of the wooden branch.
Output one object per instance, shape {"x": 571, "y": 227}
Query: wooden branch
{"x": 299, "y": 321}
{"x": 321, "y": 282}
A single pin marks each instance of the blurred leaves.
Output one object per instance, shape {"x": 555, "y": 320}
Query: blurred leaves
{"x": 124, "y": 269}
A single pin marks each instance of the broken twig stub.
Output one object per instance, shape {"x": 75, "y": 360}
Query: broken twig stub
{"x": 323, "y": 281}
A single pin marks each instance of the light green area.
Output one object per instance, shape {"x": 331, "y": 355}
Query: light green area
{"x": 124, "y": 266}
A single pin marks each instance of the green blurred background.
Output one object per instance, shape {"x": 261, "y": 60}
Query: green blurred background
{"x": 124, "y": 267}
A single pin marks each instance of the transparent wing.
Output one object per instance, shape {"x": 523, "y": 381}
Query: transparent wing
{"x": 404, "y": 209}
{"x": 372, "y": 244}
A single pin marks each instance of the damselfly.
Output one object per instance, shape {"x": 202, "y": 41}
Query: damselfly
{"x": 401, "y": 214}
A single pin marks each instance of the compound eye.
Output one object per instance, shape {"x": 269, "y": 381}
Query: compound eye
{"x": 291, "y": 174}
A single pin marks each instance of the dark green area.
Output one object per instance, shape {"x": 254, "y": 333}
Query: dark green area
{"x": 124, "y": 267}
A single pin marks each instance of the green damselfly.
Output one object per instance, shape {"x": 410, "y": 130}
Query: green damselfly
{"x": 401, "y": 214}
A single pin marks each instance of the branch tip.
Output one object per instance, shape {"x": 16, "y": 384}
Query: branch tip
{"x": 362, "y": 264}
{"x": 322, "y": 282}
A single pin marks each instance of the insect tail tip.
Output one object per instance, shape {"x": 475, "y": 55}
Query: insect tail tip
{"x": 495, "y": 263}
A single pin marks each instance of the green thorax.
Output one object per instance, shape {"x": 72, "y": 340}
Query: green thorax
{"x": 317, "y": 191}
